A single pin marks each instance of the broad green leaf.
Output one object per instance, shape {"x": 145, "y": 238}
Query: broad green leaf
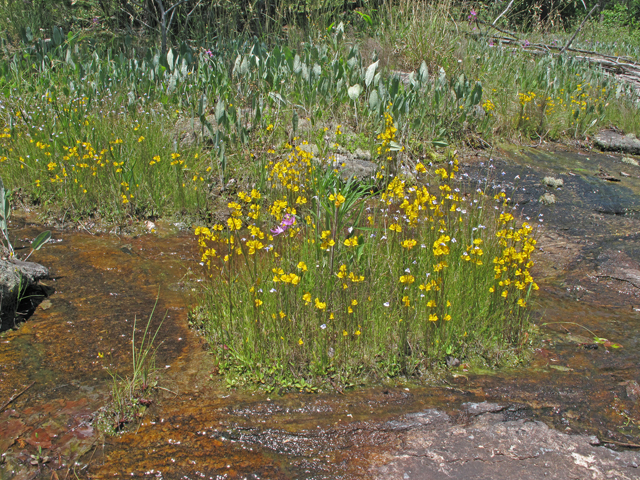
{"x": 220, "y": 110}
{"x": 394, "y": 146}
{"x": 354, "y": 91}
{"x": 374, "y": 100}
{"x": 41, "y": 239}
{"x": 371, "y": 71}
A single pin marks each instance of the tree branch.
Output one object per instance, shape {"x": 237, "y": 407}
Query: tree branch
{"x": 579, "y": 28}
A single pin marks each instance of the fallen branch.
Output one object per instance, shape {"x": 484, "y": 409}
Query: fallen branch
{"x": 622, "y": 444}
{"x": 6, "y": 404}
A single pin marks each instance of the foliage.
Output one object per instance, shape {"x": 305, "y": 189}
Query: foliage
{"x": 314, "y": 291}
{"x": 130, "y": 395}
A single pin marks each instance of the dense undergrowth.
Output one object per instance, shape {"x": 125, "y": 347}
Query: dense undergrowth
{"x": 323, "y": 277}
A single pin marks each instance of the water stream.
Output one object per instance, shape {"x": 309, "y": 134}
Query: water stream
{"x": 196, "y": 428}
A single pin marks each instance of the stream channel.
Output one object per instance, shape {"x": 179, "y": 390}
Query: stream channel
{"x": 556, "y": 417}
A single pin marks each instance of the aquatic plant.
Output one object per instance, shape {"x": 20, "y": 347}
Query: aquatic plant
{"x": 131, "y": 394}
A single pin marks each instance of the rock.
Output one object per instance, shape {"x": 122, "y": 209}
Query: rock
{"x": 311, "y": 148}
{"x": 633, "y": 390}
{"x": 350, "y": 166}
{"x": 188, "y": 132}
{"x": 480, "y": 408}
{"x": 630, "y": 161}
{"x": 553, "y": 182}
{"x": 547, "y": 199}
{"x": 491, "y": 446}
{"x": 610, "y": 140}
{"x": 15, "y": 277}
{"x": 452, "y": 361}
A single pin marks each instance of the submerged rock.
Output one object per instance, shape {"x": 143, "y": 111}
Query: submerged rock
{"x": 610, "y": 140}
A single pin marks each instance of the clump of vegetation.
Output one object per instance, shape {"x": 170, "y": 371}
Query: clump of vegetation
{"x": 132, "y": 395}
{"x": 314, "y": 278}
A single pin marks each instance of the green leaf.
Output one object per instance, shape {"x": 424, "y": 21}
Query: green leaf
{"x": 354, "y": 91}
{"x": 371, "y": 71}
{"x": 440, "y": 142}
{"x": 374, "y": 100}
{"x": 41, "y": 239}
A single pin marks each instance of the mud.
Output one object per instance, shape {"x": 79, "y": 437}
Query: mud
{"x": 573, "y": 389}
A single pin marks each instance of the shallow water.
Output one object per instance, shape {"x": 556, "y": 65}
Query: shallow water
{"x": 197, "y": 428}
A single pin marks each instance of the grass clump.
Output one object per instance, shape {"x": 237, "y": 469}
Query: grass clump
{"x": 316, "y": 280}
{"x": 132, "y": 395}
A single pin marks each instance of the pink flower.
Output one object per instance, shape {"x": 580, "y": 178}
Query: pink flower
{"x": 287, "y": 221}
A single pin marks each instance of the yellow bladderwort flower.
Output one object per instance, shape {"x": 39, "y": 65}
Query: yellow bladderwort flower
{"x": 141, "y": 139}
{"x": 394, "y": 227}
{"x": 408, "y": 279}
{"x": 320, "y": 305}
{"x": 300, "y": 342}
{"x": 307, "y": 298}
{"x": 258, "y": 302}
{"x": 302, "y": 266}
{"x": 522, "y": 303}
{"x": 345, "y": 333}
{"x": 409, "y": 244}
{"x": 433, "y": 317}
{"x": 337, "y": 199}
{"x": 351, "y": 242}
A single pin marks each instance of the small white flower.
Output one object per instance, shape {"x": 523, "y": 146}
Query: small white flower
{"x": 323, "y": 326}
{"x": 386, "y": 304}
{"x": 273, "y": 290}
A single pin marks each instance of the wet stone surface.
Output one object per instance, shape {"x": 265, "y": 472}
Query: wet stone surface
{"x": 539, "y": 419}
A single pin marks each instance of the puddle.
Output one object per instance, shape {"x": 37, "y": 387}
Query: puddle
{"x": 590, "y": 247}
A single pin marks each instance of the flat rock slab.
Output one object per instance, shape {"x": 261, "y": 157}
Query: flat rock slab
{"x": 610, "y": 140}
{"x": 492, "y": 446}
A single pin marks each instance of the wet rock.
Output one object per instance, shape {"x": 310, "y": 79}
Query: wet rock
{"x": 484, "y": 407}
{"x": 553, "y": 182}
{"x": 491, "y": 447}
{"x": 610, "y": 140}
{"x": 431, "y": 416}
{"x": 630, "y": 161}
{"x": 15, "y": 277}
{"x": 633, "y": 390}
{"x": 547, "y": 199}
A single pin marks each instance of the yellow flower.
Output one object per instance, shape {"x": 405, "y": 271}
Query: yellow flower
{"x": 258, "y": 302}
{"x": 394, "y": 227}
{"x": 351, "y": 242}
{"x": 447, "y": 317}
{"x": 522, "y": 303}
{"x": 345, "y": 333}
{"x": 141, "y": 139}
{"x": 409, "y": 279}
{"x": 354, "y": 302}
{"x": 307, "y": 298}
{"x": 320, "y": 305}
{"x": 300, "y": 342}
{"x": 302, "y": 266}
{"x": 433, "y": 317}
{"x": 409, "y": 244}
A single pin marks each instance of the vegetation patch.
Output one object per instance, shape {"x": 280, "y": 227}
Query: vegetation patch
{"x": 314, "y": 280}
